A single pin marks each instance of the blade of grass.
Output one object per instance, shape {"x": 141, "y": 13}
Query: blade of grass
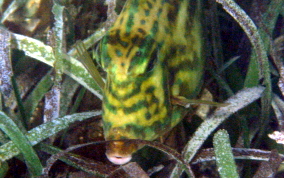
{"x": 269, "y": 18}
{"x": 22, "y": 143}
{"x": 1, "y": 4}
{"x": 75, "y": 106}
{"x": 20, "y": 103}
{"x": 59, "y": 40}
{"x": 213, "y": 20}
{"x": 69, "y": 87}
{"x": 6, "y": 74}
{"x": 44, "y": 53}
{"x": 52, "y": 104}
{"x": 78, "y": 100}
{"x": 38, "y": 134}
{"x": 37, "y": 94}
{"x": 89, "y": 64}
{"x": 95, "y": 37}
{"x": 5, "y": 66}
{"x": 4, "y": 167}
{"x": 12, "y": 8}
{"x": 224, "y": 156}
{"x": 205, "y": 155}
{"x": 169, "y": 151}
{"x": 261, "y": 56}
{"x": 89, "y": 166}
{"x": 253, "y": 34}
{"x": 266, "y": 23}
{"x": 237, "y": 102}
{"x": 52, "y": 98}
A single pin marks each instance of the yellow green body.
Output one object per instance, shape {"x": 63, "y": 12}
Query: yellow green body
{"x": 152, "y": 53}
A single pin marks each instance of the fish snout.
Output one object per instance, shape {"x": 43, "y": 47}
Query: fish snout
{"x": 119, "y": 160}
{"x": 120, "y": 152}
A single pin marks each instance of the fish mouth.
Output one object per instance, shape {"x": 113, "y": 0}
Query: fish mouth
{"x": 120, "y": 152}
{"x": 119, "y": 160}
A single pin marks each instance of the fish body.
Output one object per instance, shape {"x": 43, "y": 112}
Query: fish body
{"x": 152, "y": 52}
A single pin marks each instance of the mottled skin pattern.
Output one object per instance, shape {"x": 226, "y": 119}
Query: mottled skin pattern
{"x": 152, "y": 52}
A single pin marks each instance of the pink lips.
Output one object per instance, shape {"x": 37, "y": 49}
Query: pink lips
{"x": 119, "y": 160}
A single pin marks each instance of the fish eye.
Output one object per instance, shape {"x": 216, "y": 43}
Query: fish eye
{"x": 152, "y": 61}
